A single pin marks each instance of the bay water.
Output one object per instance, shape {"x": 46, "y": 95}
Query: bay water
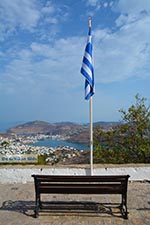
{"x": 55, "y": 143}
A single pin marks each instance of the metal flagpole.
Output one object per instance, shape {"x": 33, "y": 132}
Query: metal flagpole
{"x": 91, "y": 136}
{"x": 91, "y": 121}
{"x": 87, "y": 71}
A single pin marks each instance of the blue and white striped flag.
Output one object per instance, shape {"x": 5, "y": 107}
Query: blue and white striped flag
{"x": 87, "y": 68}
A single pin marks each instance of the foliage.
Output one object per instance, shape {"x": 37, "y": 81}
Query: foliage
{"x": 128, "y": 142}
{"x": 4, "y": 144}
{"x": 42, "y": 159}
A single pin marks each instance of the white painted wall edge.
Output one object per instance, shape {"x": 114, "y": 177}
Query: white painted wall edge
{"x": 23, "y": 175}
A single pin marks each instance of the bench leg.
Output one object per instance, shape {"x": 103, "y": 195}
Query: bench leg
{"x": 36, "y": 214}
{"x": 123, "y": 206}
{"x": 37, "y": 205}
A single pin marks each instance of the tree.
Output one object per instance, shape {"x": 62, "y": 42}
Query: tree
{"x": 136, "y": 130}
{"x": 128, "y": 142}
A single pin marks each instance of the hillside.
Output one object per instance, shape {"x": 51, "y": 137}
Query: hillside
{"x": 41, "y": 127}
{"x": 78, "y": 133}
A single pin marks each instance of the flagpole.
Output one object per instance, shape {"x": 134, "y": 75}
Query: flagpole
{"x": 91, "y": 121}
{"x": 91, "y": 136}
{"x": 87, "y": 70}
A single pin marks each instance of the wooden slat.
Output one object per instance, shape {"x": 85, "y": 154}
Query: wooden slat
{"x": 81, "y": 188}
{"x": 49, "y": 178}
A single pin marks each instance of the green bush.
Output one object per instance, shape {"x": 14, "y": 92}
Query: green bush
{"x": 42, "y": 159}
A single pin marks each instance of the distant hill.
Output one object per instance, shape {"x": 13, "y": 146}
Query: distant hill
{"x": 42, "y": 127}
{"x": 78, "y": 133}
{"x": 106, "y": 125}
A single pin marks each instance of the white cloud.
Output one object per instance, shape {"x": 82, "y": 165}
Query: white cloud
{"x": 22, "y": 13}
{"x": 93, "y": 2}
{"x": 43, "y": 67}
{"x": 124, "y": 53}
{"x": 99, "y": 3}
{"x": 125, "y": 19}
{"x": 48, "y": 8}
{"x": 132, "y": 6}
{"x": 106, "y": 4}
{"x": 32, "y": 16}
{"x": 118, "y": 55}
{"x": 131, "y": 11}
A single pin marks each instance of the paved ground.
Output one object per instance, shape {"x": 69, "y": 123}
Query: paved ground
{"x": 17, "y": 203}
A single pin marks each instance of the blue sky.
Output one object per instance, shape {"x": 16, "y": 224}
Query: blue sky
{"x": 41, "y": 49}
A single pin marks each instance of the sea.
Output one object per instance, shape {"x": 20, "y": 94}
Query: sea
{"x": 4, "y": 126}
{"x": 55, "y": 143}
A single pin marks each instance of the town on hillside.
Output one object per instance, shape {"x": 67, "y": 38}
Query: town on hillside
{"x": 17, "y": 140}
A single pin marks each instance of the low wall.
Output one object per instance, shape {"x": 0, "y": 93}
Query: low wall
{"x": 23, "y": 174}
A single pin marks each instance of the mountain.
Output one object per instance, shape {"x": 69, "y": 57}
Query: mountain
{"x": 42, "y": 127}
{"x": 78, "y": 133}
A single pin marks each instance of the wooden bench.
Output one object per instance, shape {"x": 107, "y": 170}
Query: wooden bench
{"x": 49, "y": 184}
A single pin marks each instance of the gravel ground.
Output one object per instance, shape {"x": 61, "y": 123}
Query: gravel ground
{"x": 17, "y": 204}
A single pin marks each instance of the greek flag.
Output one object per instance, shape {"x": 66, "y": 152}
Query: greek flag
{"x": 87, "y": 69}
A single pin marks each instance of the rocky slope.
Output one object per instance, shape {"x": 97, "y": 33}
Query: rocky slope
{"x": 35, "y": 127}
{"x": 78, "y": 133}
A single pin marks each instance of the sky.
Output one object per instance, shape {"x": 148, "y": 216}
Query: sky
{"x": 42, "y": 45}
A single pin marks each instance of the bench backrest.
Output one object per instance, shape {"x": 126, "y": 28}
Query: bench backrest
{"x": 81, "y": 184}
{"x": 68, "y": 178}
